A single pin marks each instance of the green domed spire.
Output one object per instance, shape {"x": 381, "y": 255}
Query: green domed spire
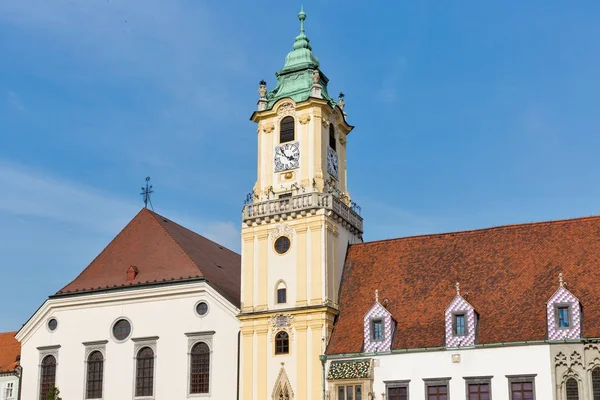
{"x": 295, "y": 79}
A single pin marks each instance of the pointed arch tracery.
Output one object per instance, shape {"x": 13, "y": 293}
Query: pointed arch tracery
{"x": 282, "y": 390}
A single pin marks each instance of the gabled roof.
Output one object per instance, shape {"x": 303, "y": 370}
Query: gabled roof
{"x": 507, "y": 273}
{"x": 162, "y": 251}
{"x": 10, "y": 349}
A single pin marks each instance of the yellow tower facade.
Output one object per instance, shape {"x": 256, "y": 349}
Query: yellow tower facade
{"x": 297, "y": 225}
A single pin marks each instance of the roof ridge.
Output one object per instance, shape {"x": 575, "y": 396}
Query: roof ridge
{"x": 153, "y": 215}
{"x": 100, "y": 253}
{"x": 479, "y": 230}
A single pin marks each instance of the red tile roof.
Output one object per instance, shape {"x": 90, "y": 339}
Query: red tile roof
{"x": 509, "y": 273}
{"x": 162, "y": 251}
{"x": 10, "y": 349}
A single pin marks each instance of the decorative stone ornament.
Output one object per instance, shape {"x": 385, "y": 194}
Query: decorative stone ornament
{"x": 355, "y": 369}
{"x": 282, "y": 230}
{"x": 262, "y": 92}
{"x": 460, "y": 310}
{"x": 563, "y": 312}
{"x": 286, "y": 109}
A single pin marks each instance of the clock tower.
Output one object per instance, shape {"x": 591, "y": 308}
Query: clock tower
{"x": 296, "y": 226}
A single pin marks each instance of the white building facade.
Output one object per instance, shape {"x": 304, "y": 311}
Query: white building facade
{"x": 92, "y": 356}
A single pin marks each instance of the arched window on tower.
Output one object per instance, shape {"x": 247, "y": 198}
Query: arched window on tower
{"x": 282, "y": 343}
{"x": 286, "y": 130}
{"x": 144, "y": 373}
{"x": 95, "y": 371}
{"x": 200, "y": 368}
{"x": 596, "y": 383}
{"x": 281, "y": 293}
{"x": 572, "y": 389}
{"x": 47, "y": 375}
{"x": 331, "y": 136}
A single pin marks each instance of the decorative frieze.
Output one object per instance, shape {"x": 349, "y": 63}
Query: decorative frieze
{"x": 354, "y": 369}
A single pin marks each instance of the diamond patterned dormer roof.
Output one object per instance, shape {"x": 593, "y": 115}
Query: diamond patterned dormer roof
{"x": 378, "y": 313}
{"x": 460, "y": 306}
{"x": 295, "y": 79}
{"x": 563, "y": 297}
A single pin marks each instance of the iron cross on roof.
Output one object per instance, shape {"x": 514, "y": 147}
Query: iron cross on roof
{"x": 146, "y": 192}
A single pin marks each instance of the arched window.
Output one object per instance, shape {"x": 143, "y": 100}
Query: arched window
{"x": 282, "y": 343}
{"x": 286, "y": 130}
{"x": 47, "y": 375}
{"x": 144, "y": 372}
{"x": 95, "y": 371}
{"x": 572, "y": 389}
{"x": 331, "y": 136}
{"x": 596, "y": 383}
{"x": 281, "y": 295}
{"x": 200, "y": 368}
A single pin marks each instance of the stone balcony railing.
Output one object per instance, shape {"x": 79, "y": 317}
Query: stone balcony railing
{"x": 301, "y": 205}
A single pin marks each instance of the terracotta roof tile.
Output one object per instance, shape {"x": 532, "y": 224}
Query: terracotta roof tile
{"x": 10, "y": 349}
{"x": 161, "y": 250}
{"x": 508, "y": 272}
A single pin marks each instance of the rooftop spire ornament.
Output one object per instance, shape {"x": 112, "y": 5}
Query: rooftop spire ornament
{"x": 458, "y": 288}
{"x": 146, "y": 192}
{"x": 377, "y": 295}
{"x": 561, "y": 282}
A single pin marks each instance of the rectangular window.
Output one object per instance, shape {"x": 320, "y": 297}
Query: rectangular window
{"x": 521, "y": 387}
{"x": 377, "y": 329}
{"x": 563, "y": 316}
{"x": 9, "y": 390}
{"x": 350, "y": 392}
{"x": 281, "y": 295}
{"x": 459, "y": 325}
{"x": 437, "y": 392}
{"x": 397, "y": 393}
{"x": 478, "y": 391}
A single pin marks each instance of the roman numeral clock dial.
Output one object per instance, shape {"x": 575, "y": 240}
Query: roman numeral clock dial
{"x": 287, "y": 156}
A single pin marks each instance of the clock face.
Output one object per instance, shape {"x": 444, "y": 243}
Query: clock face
{"x": 287, "y": 156}
{"x": 332, "y": 162}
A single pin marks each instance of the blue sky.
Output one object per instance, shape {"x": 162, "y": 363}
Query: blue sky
{"x": 468, "y": 114}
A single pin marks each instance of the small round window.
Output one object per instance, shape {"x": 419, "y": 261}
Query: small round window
{"x": 121, "y": 329}
{"x": 282, "y": 244}
{"x": 201, "y": 309}
{"x": 52, "y": 324}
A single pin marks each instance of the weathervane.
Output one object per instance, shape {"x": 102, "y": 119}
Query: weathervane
{"x": 146, "y": 192}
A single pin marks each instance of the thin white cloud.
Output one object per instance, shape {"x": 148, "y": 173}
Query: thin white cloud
{"x": 31, "y": 193}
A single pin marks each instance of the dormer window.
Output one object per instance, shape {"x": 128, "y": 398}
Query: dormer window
{"x": 459, "y": 325}
{"x": 377, "y": 329}
{"x": 286, "y": 130}
{"x": 563, "y": 316}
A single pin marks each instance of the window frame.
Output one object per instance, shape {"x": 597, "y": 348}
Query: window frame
{"x": 112, "y": 326}
{"x": 293, "y": 125}
{"x": 194, "y": 338}
{"x": 90, "y": 347}
{"x": 139, "y": 344}
{"x": 346, "y": 385}
{"x": 382, "y": 321}
{"x": 521, "y": 379}
{"x": 478, "y": 380}
{"x": 405, "y": 383}
{"x": 332, "y": 139}
{"x": 557, "y": 308}
{"x": 45, "y": 351}
{"x": 200, "y": 362}
{"x": 564, "y": 387}
{"x": 455, "y": 316}
{"x": 9, "y": 386}
{"x": 276, "y": 339}
{"x": 594, "y": 389}
{"x": 434, "y": 382}
{"x": 282, "y": 295}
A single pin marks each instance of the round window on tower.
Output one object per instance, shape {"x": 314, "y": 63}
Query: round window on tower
{"x": 282, "y": 244}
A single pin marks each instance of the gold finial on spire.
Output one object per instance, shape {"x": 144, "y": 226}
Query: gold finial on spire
{"x": 457, "y": 288}
{"x": 561, "y": 282}
{"x": 377, "y": 295}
